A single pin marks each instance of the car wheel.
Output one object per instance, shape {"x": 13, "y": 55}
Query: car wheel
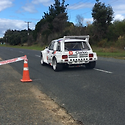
{"x": 56, "y": 66}
{"x": 91, "y": 65}
{"x": 42, "y": 60}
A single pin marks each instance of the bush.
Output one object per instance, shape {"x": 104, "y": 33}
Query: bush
{"x": 103, "y": 43}
{"x": 120, "y": 43}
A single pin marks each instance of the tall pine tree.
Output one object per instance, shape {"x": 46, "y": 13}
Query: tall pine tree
{"x": 53, "y": 21}
{"x": 102, "y": 17}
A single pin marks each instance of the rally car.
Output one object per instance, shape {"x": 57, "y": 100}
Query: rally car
{"x": 69, "y": 51}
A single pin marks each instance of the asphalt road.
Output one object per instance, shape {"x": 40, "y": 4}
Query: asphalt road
{"x": 94, "y": 97}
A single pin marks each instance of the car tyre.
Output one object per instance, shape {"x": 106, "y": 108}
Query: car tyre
{"x": 56, "y": 66}
{"x": 42, "y": 60}
{"x": 91, "y": 65}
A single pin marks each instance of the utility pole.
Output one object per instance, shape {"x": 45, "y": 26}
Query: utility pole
{"x": 28, "y": 26}
{"x": 28, "y": 32}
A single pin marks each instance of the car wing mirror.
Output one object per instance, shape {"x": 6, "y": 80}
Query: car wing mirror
{"x": 54, "y": 51}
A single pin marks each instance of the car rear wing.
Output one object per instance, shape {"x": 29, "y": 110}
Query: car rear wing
{"x": 86, "y": 38}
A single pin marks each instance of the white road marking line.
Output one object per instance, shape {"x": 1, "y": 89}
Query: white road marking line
{"x": 37, "y": 55}
{"x": 103, "y": 71}
{"x": 21, "y": 51}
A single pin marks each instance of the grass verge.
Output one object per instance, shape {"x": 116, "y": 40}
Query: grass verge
{"x": 110, "y": 52}
{"x": 33, "y": 47}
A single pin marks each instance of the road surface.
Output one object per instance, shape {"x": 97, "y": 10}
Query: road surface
{"x": 94, "y": 97}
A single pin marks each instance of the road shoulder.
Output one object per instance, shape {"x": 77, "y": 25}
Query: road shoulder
{"x": 23, "y": 103}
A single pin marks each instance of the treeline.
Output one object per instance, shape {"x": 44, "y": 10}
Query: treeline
{"x": 15, "y": 37}
{"x": 114, "y": 36}
{"x": 54, "y": 24}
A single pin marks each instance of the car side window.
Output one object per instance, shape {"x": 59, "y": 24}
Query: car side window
{"x": 51, "y": 45}
{"x": 85, "y": 46}
{"x": 58, "y": 46}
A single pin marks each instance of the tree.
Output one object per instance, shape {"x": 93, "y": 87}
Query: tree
{"x": 116, "y": 33}
{"x": 102, "y": 16}
{"x": 53, "y": 22}
{"x": 59, "y": 22}
{"x": 79, "y": 20}
{"x": 56, "y": 9}
{"x": 14, "y": 37}
{"x": 57, "y": 15}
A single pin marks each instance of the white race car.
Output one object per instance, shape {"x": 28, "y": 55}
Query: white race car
{"x": 69, "y": 51}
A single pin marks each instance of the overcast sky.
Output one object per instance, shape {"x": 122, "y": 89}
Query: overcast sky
{"x": 15, "y": 13}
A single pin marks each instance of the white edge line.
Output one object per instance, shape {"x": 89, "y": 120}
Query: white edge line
{"x": 103, "y": 71}
{"x": 37, "y": 55}
{"x": 21, "y": 51}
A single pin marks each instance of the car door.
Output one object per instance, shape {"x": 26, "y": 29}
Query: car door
{"x": 58, "y": 52}
{"x": 50, "y": 52}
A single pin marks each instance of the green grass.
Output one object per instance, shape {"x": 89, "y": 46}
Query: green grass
{"x": 33, "y": 47}
{"x": 110, "y": 52}
{"x": 104, "y": 52}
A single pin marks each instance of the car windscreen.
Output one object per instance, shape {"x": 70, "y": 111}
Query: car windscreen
{"x": 75, "y": 46}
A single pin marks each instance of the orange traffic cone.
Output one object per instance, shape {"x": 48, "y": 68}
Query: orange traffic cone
{"x": 26, "y": 77}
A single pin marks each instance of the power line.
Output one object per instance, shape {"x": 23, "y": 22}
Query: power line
{"x": 113, "y": 1}
{"x": 79, "y": 3}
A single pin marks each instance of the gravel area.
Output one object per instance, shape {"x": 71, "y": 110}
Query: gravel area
{"x": 23, "y": 103}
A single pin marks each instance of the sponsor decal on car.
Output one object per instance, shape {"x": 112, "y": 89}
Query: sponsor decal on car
{"x": 70, "y": 52}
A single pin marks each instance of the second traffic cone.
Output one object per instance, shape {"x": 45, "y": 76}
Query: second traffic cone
{"x": 26, "y": 76}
